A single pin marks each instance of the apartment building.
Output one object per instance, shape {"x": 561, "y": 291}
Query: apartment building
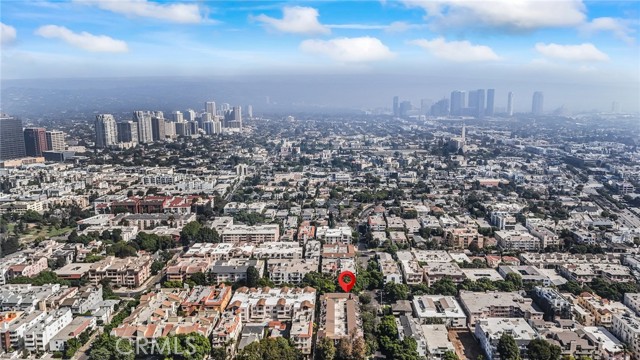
{"x": 489, "y": 331}
{"x": 626, "y": 327}
{"x": 290, "y": 271}
{"x": 493, "y": 304}
{"x": 130, "y": 272}
{"x": 339, "y": 316}
{"x": 233, "y": 270}
{"x": 461, "y": 238}
{"x": 341, "y": 235}
{"x": 262, "y": 305}
{"x": 438, "y": 271}
{"x": 38, "y": 335}
{"x": 445, "y": 309}
{"x": 256, "y": 234}
{"x": 337, "y": 258}
{"x": 599, "y": 311}
{"x": 517, "y": 240}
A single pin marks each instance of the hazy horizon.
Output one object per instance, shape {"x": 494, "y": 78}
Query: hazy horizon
{"x": 583, "y": 55}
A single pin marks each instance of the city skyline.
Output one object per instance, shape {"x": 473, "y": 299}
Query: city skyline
{"x": 587, "y": 47}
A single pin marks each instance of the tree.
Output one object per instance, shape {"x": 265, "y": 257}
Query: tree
{"x": 344, "y": 349}
{"x": 207, "y": 235}
{"x": 199, "y": 278}
{"x": 253, "y": 276}
{"x": 450, "y": 355}
{"x": 269, "y": 349}
{"x": 218, "y": 353}
{"x": 515, "y": 279}
{"x": 323, "y": 283}
{"x": 540, "y": 349}
{"x": 395, "y": 292}
{"x": 189, "y": 232}
{"x": 325, "y": 349}
{"x": 508, "y": 348}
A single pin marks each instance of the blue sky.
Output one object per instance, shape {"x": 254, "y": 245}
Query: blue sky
{"x": 144, "y": 37}
{"x": 586, "y": 43}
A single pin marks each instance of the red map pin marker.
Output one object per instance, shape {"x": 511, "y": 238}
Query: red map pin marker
{"x": 347, "y": 280}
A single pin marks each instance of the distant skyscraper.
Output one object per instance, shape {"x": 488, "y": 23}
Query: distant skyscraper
{"x": 55, "y": 140}
{"x": 208, "y": 127}
{"x": 170, "y": 129}
{"x": 190, "y": 115}
{"x": 225, "y": 107}
{"x": 510, "y": 104}
{"x": 405, "y": 107}
{"x": 182, "y": 128}
{"x": 158, "y": 129}
{"x": 472, "y": 106}
{"x": 210, "y": 107}
{"x": 145, "y": 131}
{"x": 481, "y": 103}
{"x": 396, "y": 106}
{"x": 537, "y": 103}
{"x": 11, "y": 138}
{"x": 127, "y": 132}
{"x": 106, "y": 131}
{"x": 458, "y": 102}
{"x": 425, "y": 105}
{"x": 491, "y": 95}
{"x": 176, "y": 116}
{"x": 615, "y": 107}
{"x": 250, "y": 111}
{"x": 440, "y": 108}
{"x": 35, "y": 141}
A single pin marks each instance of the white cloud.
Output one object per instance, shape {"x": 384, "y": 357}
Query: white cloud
{"x": 618, "y": 27}
{"x": 83, "y": 40}
{"x": 459, "y": 51}
{"x": 7, "y": 33}
{"x": 394, "y": 27}
{"x": 296, "y": 19}
{"x": 173, "y": 12}
{"x": 518, "y": 15}
{"x": 360, "y": 49}
{"x": 578, "y": 53}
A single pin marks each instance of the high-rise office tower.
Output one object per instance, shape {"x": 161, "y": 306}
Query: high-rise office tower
{"x": 537, "y": 103}
{"x": 481, "y": 103}
{"x": 405, "y": 107}
{"x": 145, "y": 131}
{"x": 158, "y": 129}
{"x": 425, "y": 105}
{"x": 225, "y": 107}
{"x": 176, "y": 116}
{"x": 55, "y": 140}
{"x": 250, "y": 111}
{"x": 458, "y": 102}
{"x": 190, "y": 115}
{"x": 440, "y": 108}
{"x": 11, "y": 138}
{"x": 510, "y": 104}
{"x": 233, "y": 118}
{"x": 208, "y": 127}
{"x": 396, "y": 106}
{"x": 35, "y": 141}
{"x": 169, "y": 129}
{"x": 193, "y": 127}
{"x": 615, "y": 107}
{"x": 106, "y": 131}
{"x": 217, "y": 127}
{"x": 204, "y": 117}
{"x": 491, "y": 95}
{"x": 473, "y": 101}
{"x": 127, "y": 132}
{"x": 210, "y": 108}
{"x": 182, "y": 128}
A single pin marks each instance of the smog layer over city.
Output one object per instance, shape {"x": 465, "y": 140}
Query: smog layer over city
{"x": 320, "y": 180}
